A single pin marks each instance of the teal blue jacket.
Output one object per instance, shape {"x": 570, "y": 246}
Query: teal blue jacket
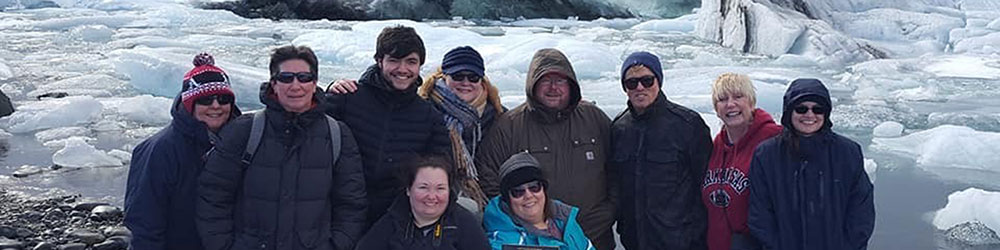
{"x": 500, "y": 229}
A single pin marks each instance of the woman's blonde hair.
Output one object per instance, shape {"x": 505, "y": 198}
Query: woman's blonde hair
{"x": 733, "y": 83}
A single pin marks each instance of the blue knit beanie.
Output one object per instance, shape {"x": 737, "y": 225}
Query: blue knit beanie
{"x": 463, "y": 58}
{"x": 645, "y": 59}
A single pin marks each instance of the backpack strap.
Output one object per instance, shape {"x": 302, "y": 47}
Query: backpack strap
{"x": 334, "y": 137}
{"x": 256, "y": 132}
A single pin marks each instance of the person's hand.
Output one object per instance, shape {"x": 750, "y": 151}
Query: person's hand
{"x": 343, "y": 86}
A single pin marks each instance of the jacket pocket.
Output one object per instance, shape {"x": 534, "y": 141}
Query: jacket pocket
{"x": 662, "y": 168}
{"x": 315, "y": 239}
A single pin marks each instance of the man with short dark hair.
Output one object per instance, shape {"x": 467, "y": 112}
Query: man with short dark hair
{"x": 568, "y": 136}
{"x": 161, "y": 190}
{"x": 392, "y": 123}
{"x": 298, "y": 185}
{"x": 661, "y": 151}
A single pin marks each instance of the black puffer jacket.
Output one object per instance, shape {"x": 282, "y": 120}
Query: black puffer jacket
{"x": 395, "y": 230}
{"x": 291, "y": 196}
{"x": 662, "y": 155}
{"x": 391, "y": 125}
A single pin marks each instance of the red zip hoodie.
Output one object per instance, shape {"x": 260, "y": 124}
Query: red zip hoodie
{"x": 726, "y": 187}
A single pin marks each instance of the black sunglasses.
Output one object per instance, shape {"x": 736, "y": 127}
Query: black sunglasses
{"x": 288, "y": 77}
{"x": 207, "y": 100}
{"x": 473, "y": 78}
{"x": 819, "y": 110}
{"x": 632, "y": 83}
{"x": 534, "y": 187}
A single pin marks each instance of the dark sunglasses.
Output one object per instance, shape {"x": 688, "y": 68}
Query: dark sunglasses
{"x": 287, "y": 77}
{"x": 632, "y": 83}
{"x": 819, "y": 110}
{"x": 207, "y": 100}
{"x": 473, "y": 78}
{"x": 534, "y": 187}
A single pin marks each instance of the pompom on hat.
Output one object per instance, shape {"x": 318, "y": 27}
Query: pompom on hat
{"x": 205, "y": 79}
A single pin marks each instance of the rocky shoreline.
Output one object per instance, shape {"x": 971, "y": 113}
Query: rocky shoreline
{"x": 60, "y": 223}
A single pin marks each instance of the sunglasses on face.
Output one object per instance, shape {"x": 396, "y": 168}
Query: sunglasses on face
{"x": 519, "y": 191}
{"x": 632, "y": 83}
{"x": 819, "y": 110}
{"x": 207, "y": 100}
{"x": 288, "y": 77}
{"x": 473, "y": 78}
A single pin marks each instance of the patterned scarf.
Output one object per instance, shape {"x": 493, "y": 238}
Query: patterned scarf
{"x": 459, "y": 117}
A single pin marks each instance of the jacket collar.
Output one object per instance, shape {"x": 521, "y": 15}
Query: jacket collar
{"x": 384, "y": 90}
{"x": 185, "y": 123}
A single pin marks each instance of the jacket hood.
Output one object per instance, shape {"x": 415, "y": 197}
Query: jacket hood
{"x": 551, "y": 61}
{"x": 805, "y": 89}
{"x": 497, "y": 218}
{"x": 184, "y": 121}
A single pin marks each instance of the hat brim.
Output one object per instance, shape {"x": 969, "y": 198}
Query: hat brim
{"x": 459, "y": 68}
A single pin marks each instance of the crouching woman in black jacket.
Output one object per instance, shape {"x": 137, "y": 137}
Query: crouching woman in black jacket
{"x": 426, "y": 216}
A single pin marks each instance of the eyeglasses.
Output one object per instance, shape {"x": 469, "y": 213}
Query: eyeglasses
{"x": 519, "y": 191}
{"x": 207, "y": 100}
{"x": 632, "y": 83}
{"x": 473, "y": 78}
{"x": 819, "y": 110}
{"x": 287, "y": 77}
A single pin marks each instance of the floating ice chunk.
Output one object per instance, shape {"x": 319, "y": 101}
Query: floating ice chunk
{"x": 112, "y": 21}
{"x": 54, "y": 113}
{"x": 77, "y": 153}
{"x": 666, "y": 25}
{"x": 793, "y": 60}
{"x": 702, "y": 59}
{"x": 888, "y": 129}
{"x": 92, "y": 33}
{"x": 5, "y": 71}
{"x": 143, "y": 109}
{"x": 966, "y": 67}
{"x": 897, "y": 25}
{"x": 60, "y": 133}
{"x": 984, "y": 44}
{"x": 125, "y": 157}
{"x": 994, "y": 25}
{"x": 159, "y": 71}
{"x": 972, "y": 204}
{"x": 4, "y": 134}
{"x": 870, "y": 168}
{"x": 98, "y": 85}
{"x": 953, "y": 152}
{"x": 61, "y": 143}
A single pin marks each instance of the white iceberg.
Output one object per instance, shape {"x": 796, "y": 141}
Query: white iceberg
{"x": 953, "y": 152}
{"x": 143, "y": 109}
{"x": 971, "y": 204}
{"x": 54, "y": 113}
{"x": 888, "y": 129}
{"x": 60, "y": 133}
{"x": 78, "y": 153}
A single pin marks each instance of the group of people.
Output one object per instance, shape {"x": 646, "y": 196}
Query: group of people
{"x": 395, "y": 161}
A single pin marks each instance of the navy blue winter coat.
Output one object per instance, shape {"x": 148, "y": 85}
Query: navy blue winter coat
{"x": 160, "y": 191}
{"x": 390, "y": 126}
{"x": 816, "y": 197}
{"x": 292, "y": 195}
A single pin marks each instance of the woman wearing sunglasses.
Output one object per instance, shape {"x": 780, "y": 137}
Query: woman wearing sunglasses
{"x": 726, "y": 185}
{"x": 160, "y": 193}
{"x": 470, "y": 104}
{"x": 523, "y": 215}
{"x": 426, "y": 216}
{"x": 809, "y": 188}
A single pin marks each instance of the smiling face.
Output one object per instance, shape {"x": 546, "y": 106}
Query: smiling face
{"x": 401, "y": 72}
{"x": 466, "y": 90}
{"x": 429, "y": 193}
{"x": 296, "y": 97}
{"x": 808, "y": 123}
{"x": 552, "y": 91}
{"x": 530, "y": 206}
{"x": 734, "y": 109}
{"x": 641, "y": 96}
{"x": 214, "y": 115}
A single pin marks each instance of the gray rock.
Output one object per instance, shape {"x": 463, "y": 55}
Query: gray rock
{"x": 972, "y": 235}
{"x": 110, "y": 245}
{"x": 121, "y": 238}
{"x": 87, "y": 206}
{"x": 106, "y": 212}
{"x": 8, "y": 231}
{"x": 77, "y": 214}
{"x": 73, "y": 246}
{"x": 86, "y": 236}
{"x": 8, "y": 243}
{"x": 55, "y": 214}
{"x": 24, "y": 233}
{"x": 44, "y": 246}
{"x": 117, "y": 231}
{"x": 32, "y": 216}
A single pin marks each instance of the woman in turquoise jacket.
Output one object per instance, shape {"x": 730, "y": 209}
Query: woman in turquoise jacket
{"x": 524, "y": 215}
